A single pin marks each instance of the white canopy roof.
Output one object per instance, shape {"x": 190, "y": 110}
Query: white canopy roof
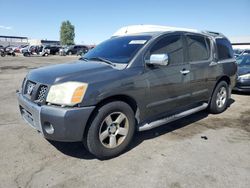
{"x": 134, "y": 29}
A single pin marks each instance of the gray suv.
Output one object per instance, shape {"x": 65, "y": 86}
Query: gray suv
{"x": 132, "y": 82}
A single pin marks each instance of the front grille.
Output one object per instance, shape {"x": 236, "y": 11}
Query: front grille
{"x": 35, "y": 92}
{"x": 42, "y": 93}
{"x": 29, "y": 87}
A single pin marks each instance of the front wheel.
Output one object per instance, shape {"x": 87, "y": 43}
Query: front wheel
{"x": 219, "y": 99}
{"x": 111, "y": 130}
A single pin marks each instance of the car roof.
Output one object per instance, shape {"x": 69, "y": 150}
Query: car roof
{"x": 155, "y": 30}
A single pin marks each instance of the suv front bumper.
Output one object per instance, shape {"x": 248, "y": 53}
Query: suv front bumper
{"x": 55, "y": 123}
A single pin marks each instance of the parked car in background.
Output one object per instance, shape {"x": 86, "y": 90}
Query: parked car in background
{"x": 36, "y": 50}
{"x": 7, "y": 51}
{"x": 133, "y": 81}
{"x": 54, "y": 50}
{"x": 244, "y": 52}
{"x": 243, "y": 79}
{"x": 2, "y": 54}
{"x": 76, "y": 50}
{"x": 10, "y": 48}
{"x": 62, "y": 50}
{"x": 237, "y": 52}
{"x": 19, "y": 48}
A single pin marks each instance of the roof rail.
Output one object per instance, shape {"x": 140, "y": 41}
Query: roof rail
{"x": 213, "y": 33}
{"x": 134, "y": 29}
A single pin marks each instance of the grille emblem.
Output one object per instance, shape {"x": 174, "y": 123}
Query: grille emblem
{"x": 30, "y": 88}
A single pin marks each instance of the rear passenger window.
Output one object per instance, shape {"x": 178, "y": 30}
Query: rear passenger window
{"x": 224, "y": 48}
{"x": 198, "y": 48}
{"x": 171, "y": 45}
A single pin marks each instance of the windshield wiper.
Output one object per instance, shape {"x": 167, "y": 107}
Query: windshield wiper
{"x": 103, "y": 60}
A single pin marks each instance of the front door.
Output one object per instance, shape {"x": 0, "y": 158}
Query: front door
{"x": 169, "y": 86}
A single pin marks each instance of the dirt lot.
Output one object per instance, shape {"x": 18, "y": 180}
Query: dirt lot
{"x": 174, "y": 155}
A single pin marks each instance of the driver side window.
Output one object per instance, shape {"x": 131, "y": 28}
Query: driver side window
{"x": 171, "y": 45}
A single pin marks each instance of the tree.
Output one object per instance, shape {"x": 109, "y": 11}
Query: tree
{"x": 67, "y": 33}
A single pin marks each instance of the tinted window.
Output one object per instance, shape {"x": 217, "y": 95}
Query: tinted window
{"x": 198, "y": 48}
{"x": 224, "y": 48}
{"x": 171, "y": 45}
{"x": 118, "y": 49}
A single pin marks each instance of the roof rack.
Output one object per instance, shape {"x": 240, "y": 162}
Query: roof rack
{"x": 213, "y": 33}
{"x": 134, "y": 29}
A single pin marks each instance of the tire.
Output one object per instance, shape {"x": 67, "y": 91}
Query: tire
{"x": 219, "y": 98}
{"x": 111, "y": 130}
{"x": 69, "y": 53}
{"x": 26, "y": 54}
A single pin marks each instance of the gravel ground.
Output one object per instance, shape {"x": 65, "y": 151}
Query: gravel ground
{"x": 202, "y": 150}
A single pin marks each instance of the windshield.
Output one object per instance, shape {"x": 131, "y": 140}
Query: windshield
{"x": 243, "y": 60}
{"x": 118, "y": 50}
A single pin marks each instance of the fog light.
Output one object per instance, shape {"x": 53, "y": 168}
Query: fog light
{"x": 48, "y": 127}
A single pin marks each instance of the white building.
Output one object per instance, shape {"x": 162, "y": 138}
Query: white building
{"x": 13, "y": 40}
{"x": 240, "y": 42}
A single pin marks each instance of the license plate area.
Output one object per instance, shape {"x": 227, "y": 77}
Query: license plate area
{"x": 27, "y": 116}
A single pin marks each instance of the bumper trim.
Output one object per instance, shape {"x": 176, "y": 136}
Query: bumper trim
{"x": 30, "y": 112}
{"x": 68, "y": 123}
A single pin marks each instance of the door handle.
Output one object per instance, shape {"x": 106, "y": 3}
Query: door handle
{"x": 184, "y": 71}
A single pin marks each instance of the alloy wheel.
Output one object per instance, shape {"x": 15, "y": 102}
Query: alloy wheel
{"x": 221, "y": 97}
{"x": 114, "y": 130}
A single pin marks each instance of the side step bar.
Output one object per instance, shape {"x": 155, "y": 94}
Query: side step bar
{"x": 172, "y": 118}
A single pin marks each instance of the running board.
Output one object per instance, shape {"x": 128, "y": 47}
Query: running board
{"x": 172, "y": 118}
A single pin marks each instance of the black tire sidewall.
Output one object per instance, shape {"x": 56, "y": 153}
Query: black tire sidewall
{"x": 213, "y": 105}
{"x": 92, "y": 140}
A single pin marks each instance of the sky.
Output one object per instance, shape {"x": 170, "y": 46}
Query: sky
{"x": 96, "y": 21}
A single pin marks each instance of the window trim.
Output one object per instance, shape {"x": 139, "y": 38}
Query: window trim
{"x": 160, "y": 38}
{"x": 217, "y": 50}
{"x": 210, "y": 58}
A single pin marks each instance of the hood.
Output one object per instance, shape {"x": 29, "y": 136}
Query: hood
{"x": 76, "y": 71}
{"x": 243, "y": 70}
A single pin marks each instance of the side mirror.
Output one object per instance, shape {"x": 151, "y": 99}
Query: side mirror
{"x": 158, "y": 59}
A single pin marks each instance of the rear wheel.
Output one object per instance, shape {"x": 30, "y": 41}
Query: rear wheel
{"x": 111, "y": 130}
{"x": 220, "y": 98}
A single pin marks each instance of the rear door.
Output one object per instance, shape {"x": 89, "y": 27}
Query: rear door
{"x": 200, "y": 58}
{"x": 169, "y": 86}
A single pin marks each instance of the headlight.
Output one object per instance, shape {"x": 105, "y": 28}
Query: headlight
{"x": 245, "y": 77}
{"x": 68, "y": 93}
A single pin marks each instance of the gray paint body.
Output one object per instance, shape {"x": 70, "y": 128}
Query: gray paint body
{"x": 158, "y": 91}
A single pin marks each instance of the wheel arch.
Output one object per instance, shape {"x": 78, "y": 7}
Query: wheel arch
{"x": 124, "y": 98}
{"x": 219, "y": 79}
{"x": 224, "y": 78}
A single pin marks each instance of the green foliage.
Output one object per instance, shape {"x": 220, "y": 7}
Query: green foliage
{"x": 67, "y": 33}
